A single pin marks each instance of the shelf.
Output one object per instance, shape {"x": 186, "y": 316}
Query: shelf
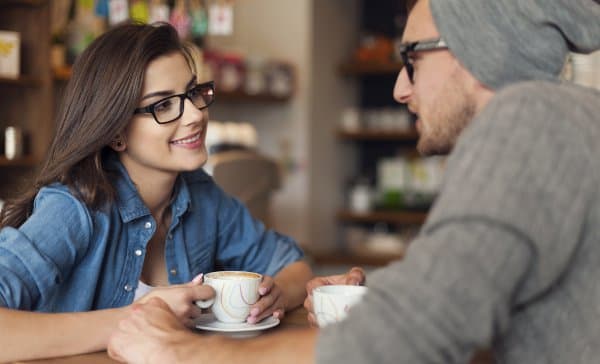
{"x": 31, "y": 3}
{"x": 370, "y": 68}
{"x": 392, "y": 217}
{"x": 242, "y": 96}
{"x": 26, "y": 161}
{"x": 342, "y": 258}
{"x": 375, "y": 135}
{"x": 64, "y": 73}
{"x": 26, "y": 81}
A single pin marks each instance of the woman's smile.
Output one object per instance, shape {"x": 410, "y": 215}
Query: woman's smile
{"x": 193, "y": 141}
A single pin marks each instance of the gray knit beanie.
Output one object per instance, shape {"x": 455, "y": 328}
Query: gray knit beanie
{"x": 505, "y": 41}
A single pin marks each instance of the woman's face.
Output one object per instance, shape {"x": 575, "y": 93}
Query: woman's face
{"x": 174, "y": 147}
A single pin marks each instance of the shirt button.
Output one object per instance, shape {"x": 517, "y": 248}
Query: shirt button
{"x": 138, "y": 252}
{"x": 173, "y": 271}
{"x": 148, "y": 225}
{"x": 128, "y": 287}
{"x": 170, "y": 236}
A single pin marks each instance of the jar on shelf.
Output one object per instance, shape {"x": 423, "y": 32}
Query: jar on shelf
{"x": 13, "y": 142}
{"x": 361, "y": 197}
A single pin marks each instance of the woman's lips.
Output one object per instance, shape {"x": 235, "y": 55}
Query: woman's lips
{"x": 191, "y": 142}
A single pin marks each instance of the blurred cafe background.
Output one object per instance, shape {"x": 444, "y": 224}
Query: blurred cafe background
{"x": 304, "y": 129}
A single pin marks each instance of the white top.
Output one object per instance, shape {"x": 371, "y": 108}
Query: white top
{"x": 141, "y": 290}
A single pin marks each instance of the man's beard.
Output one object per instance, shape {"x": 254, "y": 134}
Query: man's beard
{"x": 452, "y": 111}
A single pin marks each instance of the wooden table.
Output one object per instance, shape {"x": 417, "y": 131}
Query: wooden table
{"x": 293, "y": 319}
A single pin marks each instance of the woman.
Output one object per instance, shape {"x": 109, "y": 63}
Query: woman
{"x": 121, "y": 208}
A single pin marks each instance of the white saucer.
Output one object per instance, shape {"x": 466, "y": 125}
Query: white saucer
{"x": 208, "y": 322}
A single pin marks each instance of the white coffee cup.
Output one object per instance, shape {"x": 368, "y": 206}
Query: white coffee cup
{"x": 332, "y": 303}
{"x": 235, "y": 293}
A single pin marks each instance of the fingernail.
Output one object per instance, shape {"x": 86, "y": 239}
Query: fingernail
{"x": 262, "y": 290}
{"x": 198, "y": 278}
{"x": 251, "y": 320}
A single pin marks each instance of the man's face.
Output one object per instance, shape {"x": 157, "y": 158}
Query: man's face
{"x": 442, "y": 90}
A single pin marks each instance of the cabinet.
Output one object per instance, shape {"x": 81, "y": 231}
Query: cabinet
{"x": 373, "y": 73}
{"x": 27, "y": 102}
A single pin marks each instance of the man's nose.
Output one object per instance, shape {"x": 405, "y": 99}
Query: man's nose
{"x": 403, "y": 87}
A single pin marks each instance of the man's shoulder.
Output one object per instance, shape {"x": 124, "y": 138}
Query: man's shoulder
{"x": 554, "y": 94}
{"x": 543, "y": 105}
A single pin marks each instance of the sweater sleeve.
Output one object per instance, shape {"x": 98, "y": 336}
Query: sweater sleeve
{"x": 502, "y": 232}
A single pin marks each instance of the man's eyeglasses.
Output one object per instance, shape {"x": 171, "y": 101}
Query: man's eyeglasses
{"x": 171, "y": 108}
{"x": 406, "y": 49}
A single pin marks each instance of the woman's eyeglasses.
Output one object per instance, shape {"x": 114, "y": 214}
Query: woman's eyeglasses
{"x": 171, "y": 108}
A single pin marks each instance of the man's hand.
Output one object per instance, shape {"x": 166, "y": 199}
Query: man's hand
{"x": 355, "y": 276}
{"x": 151, "y": 334}
{"x": 181, "y": 299}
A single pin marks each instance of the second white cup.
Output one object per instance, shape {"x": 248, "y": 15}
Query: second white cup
{"x": 332, "y": 303}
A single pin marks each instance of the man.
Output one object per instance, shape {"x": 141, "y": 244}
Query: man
{"x": 510, "y": 254}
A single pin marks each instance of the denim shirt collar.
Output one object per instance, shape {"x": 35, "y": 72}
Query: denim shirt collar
{"x": 129, "y": 202}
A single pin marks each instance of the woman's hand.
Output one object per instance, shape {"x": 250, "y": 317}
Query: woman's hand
{"x": 181, "y": 299}
{"x": 355, "y": 276}
{"x": 271, "y": 302}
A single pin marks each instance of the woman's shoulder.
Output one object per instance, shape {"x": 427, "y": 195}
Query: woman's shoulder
{"x": 58, "y": 196}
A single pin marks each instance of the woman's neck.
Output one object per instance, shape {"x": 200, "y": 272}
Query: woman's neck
{"x": 155, "y": 187}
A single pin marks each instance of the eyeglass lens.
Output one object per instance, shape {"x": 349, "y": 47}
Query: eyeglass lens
{"x": 171, "y": 108}
{"x": 408, "y": 66}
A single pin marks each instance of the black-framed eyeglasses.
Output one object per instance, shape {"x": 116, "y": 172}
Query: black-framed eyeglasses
{"x": 405, "y": 49}
{"x": 171, "y": 108}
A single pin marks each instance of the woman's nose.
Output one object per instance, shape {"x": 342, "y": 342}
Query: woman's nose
{"x": 191, "y": 114}
{"x": 403, "y": 87}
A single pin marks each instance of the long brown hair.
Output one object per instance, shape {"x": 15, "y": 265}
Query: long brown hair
{"x": 98, "y": 104}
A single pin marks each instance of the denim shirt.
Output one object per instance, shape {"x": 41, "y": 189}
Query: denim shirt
{"x": 68, "y": 257}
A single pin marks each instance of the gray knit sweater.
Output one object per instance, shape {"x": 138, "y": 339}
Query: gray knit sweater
{"x": 510, "y": 255}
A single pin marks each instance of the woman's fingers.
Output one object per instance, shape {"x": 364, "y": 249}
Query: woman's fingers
{"x": 267, "y": 305}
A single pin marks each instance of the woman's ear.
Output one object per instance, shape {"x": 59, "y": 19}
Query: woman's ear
{"x": 117, "y": 144}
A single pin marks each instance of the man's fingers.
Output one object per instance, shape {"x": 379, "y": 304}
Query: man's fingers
{"x": 308, "y": 304}
{"x": 356, "y": 276}
{"x": 316, "y": 282}
{"x": 203, "y": 292}
{"x": 312, "y": 319}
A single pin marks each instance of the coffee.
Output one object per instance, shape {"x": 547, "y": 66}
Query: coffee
{"x": 233, "y": 275}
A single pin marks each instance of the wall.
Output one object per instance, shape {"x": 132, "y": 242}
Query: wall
{"x": 316, "y": 35}
{"x": 335, "y": 26}
{"x": 278, "y": 29}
